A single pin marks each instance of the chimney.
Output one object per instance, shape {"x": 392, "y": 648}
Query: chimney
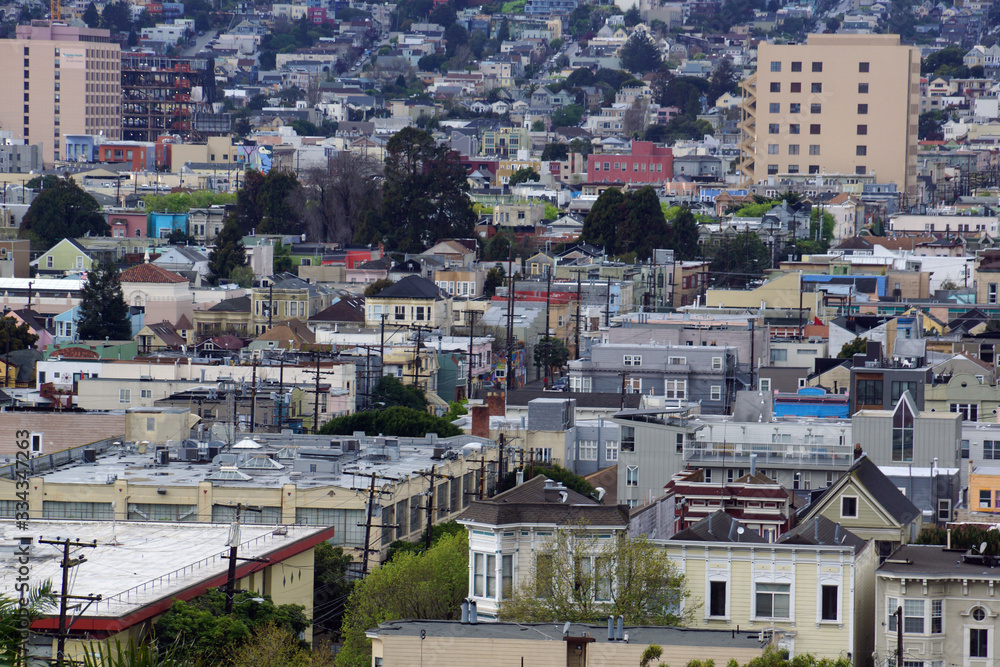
{"x": 554, "y": 492}
{"x": 753, "y": 465}
{"x": 497, "y": 404}
{"x": 473, "y": 613}
{"x": 611, "y": 628}
{"x": 481, "y": 421}
{"x": 465, "y": 611}
{"x": 621, "y": 628}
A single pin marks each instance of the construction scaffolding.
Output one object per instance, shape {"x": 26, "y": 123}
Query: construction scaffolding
{"x": 161, "y": 94}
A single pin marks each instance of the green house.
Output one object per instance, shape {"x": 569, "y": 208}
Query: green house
{"x": 64, "y": 257}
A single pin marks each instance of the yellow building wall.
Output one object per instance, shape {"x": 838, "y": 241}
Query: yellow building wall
{"x": 870, "y": 523}
{"x": 782, "y": 292}
{"x": 984, "y": 482}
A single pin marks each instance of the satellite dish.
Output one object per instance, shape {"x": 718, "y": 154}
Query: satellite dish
{"x": 740, "y": 530}
{"x": 982, "y": 548}
{"x": 566, "y": 628}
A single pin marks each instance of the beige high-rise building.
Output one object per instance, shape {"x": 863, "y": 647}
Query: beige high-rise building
{"x": 838, "y": 104}
{"x": 58, "y": 80}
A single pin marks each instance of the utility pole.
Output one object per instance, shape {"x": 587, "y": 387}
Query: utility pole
{"x": 270, "y": 303}
{"x": 430, "y": 477}
{"x": 576, "y": 351}
{"x": 281, "y": 390}
{"x": 66, "y": 563}
{"x": 801, "y": 324}
{"x": 510, "y": 332}
{"x": 316, "y": 401}
{"x": 899, "y": 635}
{"x": 381, "y": 341}
{"x": 607, "y": 310}
{"x": 234, "y": 543}
{"x": 548, "y": 331}
{"x": 472, "y": 326}
{"x": 368, "y": 525}
{"x": 253, "y": 392}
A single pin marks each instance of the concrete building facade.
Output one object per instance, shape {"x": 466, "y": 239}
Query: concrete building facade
{"x": 838, "y": 104}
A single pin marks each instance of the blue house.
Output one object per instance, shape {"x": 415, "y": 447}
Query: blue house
{"x": 65, "y": 323}
{"x": 160, "y": 225}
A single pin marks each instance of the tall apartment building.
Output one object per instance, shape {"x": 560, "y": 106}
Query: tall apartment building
{"x": 52, "y": 68}
{"x": 838, "y": 104}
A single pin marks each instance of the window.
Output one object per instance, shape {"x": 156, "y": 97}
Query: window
{"x": 778, "y": 355}
{"x": 774, "y": 107}
{"x": 991, "y": 449}
{"x": 795, "y": 108}
{"x": 969, "y": 411}
{"x": 913, "y": 617}
{"x": 124, "y": 395}
{"x": 764, "y": 384}
{"x": 814, "y": 128}
{"x": 717, "y": 598}
{"x": 145, "y": 393}
{"x": 633, "y": 360}
{"x": 814, "y": 169}
{"x": 817, "y": 67}
{"x": 632, "y": 476}
{"x": 848, "y": 507}
{"x": 829, "y": 603}
{"x": 793, "y": 149}
{"x": 869, "y": 392}
{"x": 772, "y": 149}
{"x": 775, "y": 65}
{"x": 775, "y": 87}
{"x": 544, "y": 573}
{"x": 628, "y": 438}
{"x": 902, "y": 433}
{"x": 772, "y": 600}
{"x": 506, "y": 575}
{"x": 795, "y": 87}
{"x": 793, "y": 169}
{"x": 863, "y": 67}
{"x": 610, "y": 450}
{"x": 863, "y": 88}
{"x": 964, "y": 449}
{"x": 716, "y": 392}
{"x": 985, "y": 498}
{"x": 815, "y": 107}
{"x": 399, "y": 313}
{"x": 862, "y": 109}
{"x": 49, "y": 262}
{"x": 676, "y": 360}
{"x": 862, "y": 129}
{"x": 796, "y": 67}
{"x": 588, "y": 450}
{"x": 679, "y": 442}
{"x": 861, "y": 150}
{"x": 793, "y": 128}
{"x": 772, "y": 169}
{"x": 860, "y": 170}
{"x": 816, "y": 88}
{"x": 773, "y": 128}
{"x": 813, "y": 149}
{"x": 676, "y": 388}
{"x": 899, "y": 387}
{"x": 936, "y": 616}
{"x": 991, "y": 293}
{"x": 979, "y": 646}
{"x": 891, "y": 606}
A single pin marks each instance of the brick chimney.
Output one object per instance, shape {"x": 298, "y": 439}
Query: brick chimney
{"x": 480, "y": 420}
{"x": 497, "y": 405}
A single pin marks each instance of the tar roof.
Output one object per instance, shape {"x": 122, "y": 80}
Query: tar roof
{"x": 820, "y": 530}
{"x": 718, "y": 527}
{"x": 644, "y": 635}
{"x": 922, "y": 560}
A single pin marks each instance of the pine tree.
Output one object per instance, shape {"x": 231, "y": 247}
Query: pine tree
{"x": 684, "y": 235}
{"x": 229, "y": 252}
{"x": 103, "y": 313}
{"x": 91, "y": 16}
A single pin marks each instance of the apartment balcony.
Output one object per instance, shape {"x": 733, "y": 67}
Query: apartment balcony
{"x": 769, "y": 455}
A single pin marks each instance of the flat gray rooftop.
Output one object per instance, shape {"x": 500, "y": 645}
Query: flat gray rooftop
{"x": 136, "y": 563}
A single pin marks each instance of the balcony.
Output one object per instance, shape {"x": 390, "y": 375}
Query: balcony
{"x": 781, "y": 455}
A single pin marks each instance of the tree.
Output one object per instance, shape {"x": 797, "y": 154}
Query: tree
{"x": 555, "y": 152}
{"x": 552, "y": 351}
{"x": 569, "y": 116}
{"x": 524, "y": 175}
{"x": 132, "y": 654}
{"x": 929, "y": 125}
{"x": 19, "y": 335}
{"x": 372, "y": 289}
{"x": 640, "y": 54}
{"x": 582, "y": 146}
{"x": 228, "y": 253}
{"x": 554, "y": 472}
{"x": 62, "y": 211}
{"x": 857, "y": 346}
{"x": 330, "y": 584}
{"x": 202, "y": 630}
{"x": 398, "y": 421}
{"x": 336, "y": 195}
{"x": 389, "y": 392}
{"x": 269, "y": 204}
{"x": 103, "y": 313}
{"x": 948, "y": 61}
{"x": 242, "y": 276}
{"x": 636, "y": 577}
{"x": 30, "y": 604}
{"x": 91, "y": 16}
{"x": 600, "y": 227}
{"x": 424, "y": 195}
{"x": 722, "y": 81}
{"x": 429, "y": 585}
{"x": 495, "y": 277}
{"x": 180, "y": 237}
{"x": 282, "y": 261}
{"x": 632, "y": 16}
{"x": 117, "y": 16}
{"x": 739, "y": 260}
{"x": 684, "y": 235}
